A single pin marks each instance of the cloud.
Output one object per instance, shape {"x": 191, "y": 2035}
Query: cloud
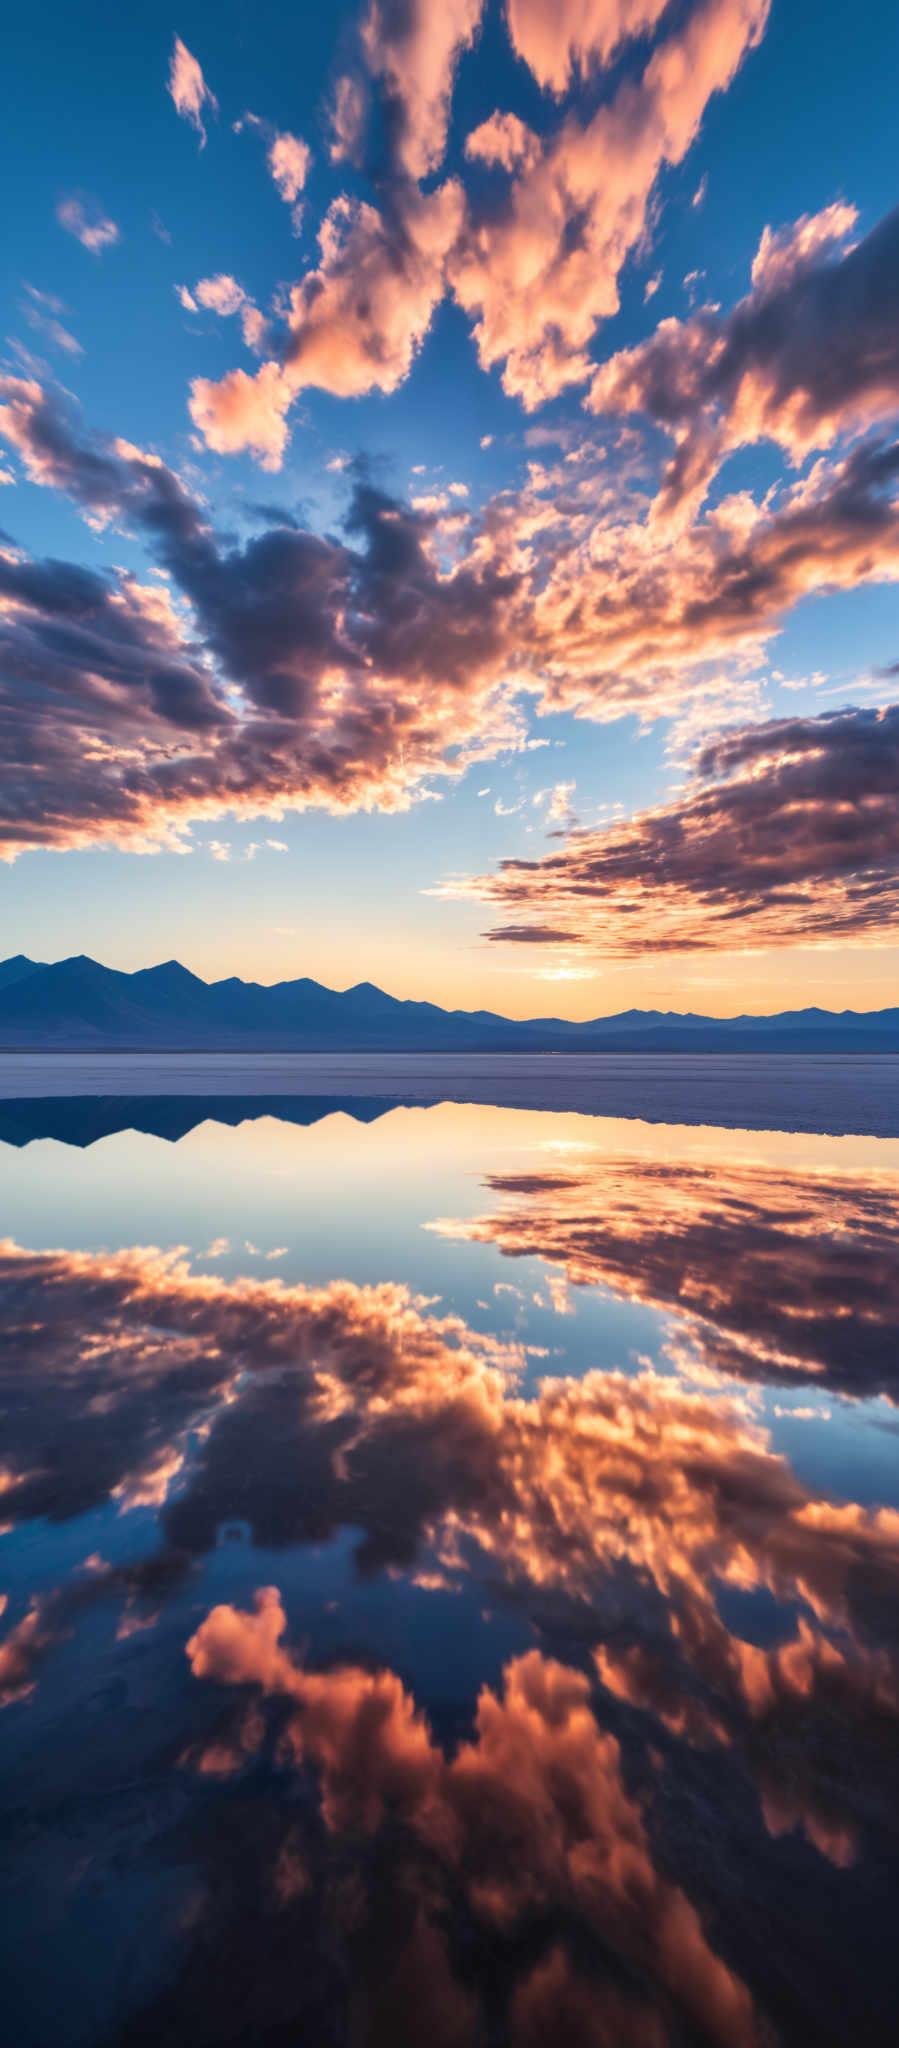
{"x": 432, "y": 1450}
{"x": 575, "y": 37}
{"x": 85, "y": 219}
{"x": 413, "y": 49}
{"x": 41, "y": 310}
{"x": 223, "y": 295}
{"x": 354, "y": 324}
{"x": 539, "y": 266}
{"x": 288, "y": 158}
{"x": 809, "y": 355}
{"x": 348, "y": 114}
{"x": 535, "y": 266}
{"x": 243, "y": 411}
{"x": 360, "y": 667}
{"x": 532, "y": 1808}
{"x": 189, "y": 90}
{"x": 763, "y": 1264}
{"x": 614, "y": 1509}
{"x": 349, "y": 671}
{"x": 790, "y": 835}
{"x": 220, "y": 294}
{"x": 21, "y": 1652}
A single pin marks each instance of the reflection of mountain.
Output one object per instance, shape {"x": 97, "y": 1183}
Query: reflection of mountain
{"x": 78, "y": 1003}
{"x": 780, "y": 1275}
{"x": 82, "y": 1119}
{"x": 616, "y": 1517}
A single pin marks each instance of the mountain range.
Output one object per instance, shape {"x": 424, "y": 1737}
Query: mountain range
{"x": 78, "y": 1005}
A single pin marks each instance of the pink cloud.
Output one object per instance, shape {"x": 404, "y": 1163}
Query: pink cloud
{"x": 809, "y": 355}
{"x": 358, "y": 320}
{"x": 355, "y": 323}
{"x": 288, "y": 160}
{"x": 84, "y": 219}
{"x": 348, "y": 114}
{"x": 413, "y": 49}
{"x": 575, "y": 36}
{"x": 241, "y": 411}
{"x": 189, "y": 90}
{"x": 220, "y": 294}
{"x": 540, "y": 271}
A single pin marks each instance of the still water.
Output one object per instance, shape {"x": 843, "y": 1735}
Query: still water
{"x": 449, "y": 1577}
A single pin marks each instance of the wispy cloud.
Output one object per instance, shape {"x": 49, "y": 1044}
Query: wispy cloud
{"x": 189, "y": 90}
{"x": 86, "y": 220}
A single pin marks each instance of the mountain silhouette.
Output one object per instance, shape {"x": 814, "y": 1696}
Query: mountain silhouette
{"x": 79, "y": 1005}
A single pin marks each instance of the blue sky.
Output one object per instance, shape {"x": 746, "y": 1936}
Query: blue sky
{"x": 450, "y": 334}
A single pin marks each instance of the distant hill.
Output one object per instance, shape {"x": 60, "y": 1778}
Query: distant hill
{"x": 77, "y": 1005}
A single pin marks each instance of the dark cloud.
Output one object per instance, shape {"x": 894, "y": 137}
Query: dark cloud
{"x": 775, "y": 1274}
{"x": 619, "y": 1514}
{"x": 299, "y": 668}
{"x": 348, "y": 1407}
{"x": 795, "y": 839}
{"x": 359, "y": 669}
{"x": 812, "y": 352}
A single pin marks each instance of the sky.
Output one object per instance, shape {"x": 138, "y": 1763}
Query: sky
{"x": 449, "y": 498}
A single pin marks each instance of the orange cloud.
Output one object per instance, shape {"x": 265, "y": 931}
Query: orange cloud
{"x": 556, "y": 1491}
{"x": 575, "y": 36}
{"x": 357, "y": 321}
{"x": 529, "y": 1815}
{"x": 540, "y": 270}
{"x": 413, "y": 49}
{"x": 21, "y": 1651}
{"x": 620, "y": 1508}
{"x": 241, "y": 411}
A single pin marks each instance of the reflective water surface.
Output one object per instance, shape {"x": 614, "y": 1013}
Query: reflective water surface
{"x": 449, "y": 1577}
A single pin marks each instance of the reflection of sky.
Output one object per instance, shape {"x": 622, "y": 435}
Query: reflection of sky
{"x": 707, "y": 1549}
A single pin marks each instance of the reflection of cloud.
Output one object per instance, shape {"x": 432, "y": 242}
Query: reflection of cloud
{"x": 782, "y": 1274}
{"x": 618, "y": 1508}
{"x": 815, "y": 1722}
{"x": 529, "y": 1816}
{"x": 21, "y": 1651}
{"x": 349, "y": 1406}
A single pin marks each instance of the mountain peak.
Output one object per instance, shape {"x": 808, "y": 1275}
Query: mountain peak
{"x": 166, "y": 1008}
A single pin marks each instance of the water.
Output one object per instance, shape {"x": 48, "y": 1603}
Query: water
{"x": 450, "y": 1559}
{"x": 775, "y": 1091}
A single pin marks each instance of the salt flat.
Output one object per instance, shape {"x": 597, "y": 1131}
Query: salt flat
{"x": 791, "y": 1092}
